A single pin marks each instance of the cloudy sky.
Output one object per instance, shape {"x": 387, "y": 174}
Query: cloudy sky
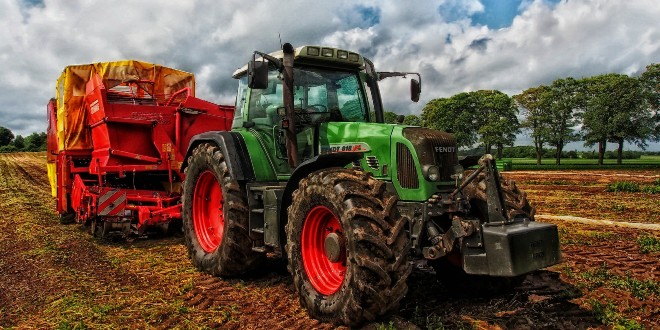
{"x": 457, "y": 45}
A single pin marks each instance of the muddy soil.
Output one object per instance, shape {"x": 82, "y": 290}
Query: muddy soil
{"x": 56, "y": 276}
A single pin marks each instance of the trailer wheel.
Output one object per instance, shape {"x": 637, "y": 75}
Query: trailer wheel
{"x": 67, "y": 218}
{"x": 348, "y": 247}
{"x": 215, "y": 216}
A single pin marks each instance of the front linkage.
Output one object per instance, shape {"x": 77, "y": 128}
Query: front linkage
{"x": 491, "y": 239}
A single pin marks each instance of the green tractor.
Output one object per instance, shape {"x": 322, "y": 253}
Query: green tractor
{"x": 309, "y": 172}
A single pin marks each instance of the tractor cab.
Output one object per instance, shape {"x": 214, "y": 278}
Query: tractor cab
{"x": 328, "y": 85}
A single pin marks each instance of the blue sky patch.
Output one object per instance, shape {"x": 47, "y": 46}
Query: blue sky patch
{"x": 362, "y": 16}
{"x": 33, "y": 3}
{"x": 496, "y": 14}
{"x": 370, "y": 15}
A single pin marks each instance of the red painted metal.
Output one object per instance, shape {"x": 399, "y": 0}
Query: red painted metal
{"x": 207, "y": 212}
{"x": 325, "y": 275}
{"x": 133, "y": 173}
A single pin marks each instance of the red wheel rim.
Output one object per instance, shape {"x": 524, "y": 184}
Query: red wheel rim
{"x": 208, "y": 219}
{"x": 325, "y": 275}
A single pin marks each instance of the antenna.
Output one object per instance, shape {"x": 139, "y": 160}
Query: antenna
{"x": 280, "y": 36}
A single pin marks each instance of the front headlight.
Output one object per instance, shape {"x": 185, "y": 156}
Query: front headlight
{"x": 432, "y": 173}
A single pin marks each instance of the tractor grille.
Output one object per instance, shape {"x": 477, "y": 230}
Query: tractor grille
{"x": 405, "y": 167}
{"x": 434, "y": 148}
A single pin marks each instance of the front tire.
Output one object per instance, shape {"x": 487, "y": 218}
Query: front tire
{"x": 215, "y": 216}
{"x": 348, "y": 247}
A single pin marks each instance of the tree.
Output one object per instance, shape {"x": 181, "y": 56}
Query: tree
{"x": 564, "y": 102}
{"x": 650, "y": 81}
{"x": 35, "y": 142}
{"x": 19, "y": 142}
{"x": 6, "y": 136}
{"x": 484, "y": 116}
{"x": 496, "y": 118}
{"x": 456, "y": 115}
{"x": 535, "y": 105}
{"x": 615, "y": 111}
{"x": 412, "y": 120}
{"x": 389, "y": 117}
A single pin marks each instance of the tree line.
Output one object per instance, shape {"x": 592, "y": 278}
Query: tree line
{"x": 609, "y": 108}
{"x": 11, "y": 143}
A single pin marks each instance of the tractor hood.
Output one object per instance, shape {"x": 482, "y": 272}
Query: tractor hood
{"x": 418, "y": 161}
{"x": 372, "y": 139}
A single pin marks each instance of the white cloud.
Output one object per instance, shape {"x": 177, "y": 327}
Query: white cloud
{"x": 212, "y": 38}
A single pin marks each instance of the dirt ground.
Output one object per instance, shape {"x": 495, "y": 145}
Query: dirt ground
{"x": 57, "y": 276}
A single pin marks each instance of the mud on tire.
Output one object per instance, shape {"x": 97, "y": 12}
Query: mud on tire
{"x": 371, "y": 269}
{"x": 215, "y": 216}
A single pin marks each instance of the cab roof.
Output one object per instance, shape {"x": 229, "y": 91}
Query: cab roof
{"x": 317, "y": 55}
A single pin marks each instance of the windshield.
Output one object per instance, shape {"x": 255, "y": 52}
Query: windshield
{"x": 324, "y": 94}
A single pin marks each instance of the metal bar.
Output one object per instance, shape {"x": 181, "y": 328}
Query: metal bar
{"x": 467, "y": 181}
{"x": 131, "y": 155}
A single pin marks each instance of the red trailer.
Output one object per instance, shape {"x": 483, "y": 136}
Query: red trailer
{"x": 117, "y": 136}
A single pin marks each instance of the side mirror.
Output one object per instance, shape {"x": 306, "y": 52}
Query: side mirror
{"x": 415, "y": 90}
{"x": 258, "y": 74}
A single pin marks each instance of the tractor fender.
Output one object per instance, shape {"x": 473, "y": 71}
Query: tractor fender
{"x": 233, "y": 148}
{"x": 338, "y": 159}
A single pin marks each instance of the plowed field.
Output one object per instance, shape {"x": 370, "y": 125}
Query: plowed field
{"x": 56, "y": 276}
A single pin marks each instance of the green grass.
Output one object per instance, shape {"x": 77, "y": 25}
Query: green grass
{"x": 648, "y": 244}
{"x": 632, "y": 187}
{"x": 644, "y": 162}
{"x": 601, "y": 276}
{"x": 609, "y": 315}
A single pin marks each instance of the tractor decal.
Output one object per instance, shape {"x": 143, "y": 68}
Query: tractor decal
{"x": 345, "y": 147}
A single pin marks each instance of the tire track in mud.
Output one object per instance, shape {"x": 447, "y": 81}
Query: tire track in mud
{"x": 616, "y": 259}
{"x": 22, "y": 275}
{"x": 543, "y": 301}
{"x": 266, "y": 302}
{"x": 43, "y": 263}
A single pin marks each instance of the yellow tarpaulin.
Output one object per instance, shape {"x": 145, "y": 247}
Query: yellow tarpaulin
{"x": 52, "y": 178}
{"x": 72, "y": 130}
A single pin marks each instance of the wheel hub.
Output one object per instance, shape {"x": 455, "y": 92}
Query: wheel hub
{"x": 323, "y": 249}
{"x": 207, "y": 213}
{"x": 334, "y": 246}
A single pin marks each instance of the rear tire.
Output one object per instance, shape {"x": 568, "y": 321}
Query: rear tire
{"x": 348, "y": 247}
{"x": 215, "y": 216}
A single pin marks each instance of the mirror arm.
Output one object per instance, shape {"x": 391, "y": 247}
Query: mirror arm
{"x": 383, "y": 75}
{"x": 275, "y": 61}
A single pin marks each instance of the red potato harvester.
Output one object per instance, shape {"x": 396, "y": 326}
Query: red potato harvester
{"x": 117, "y": 136}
